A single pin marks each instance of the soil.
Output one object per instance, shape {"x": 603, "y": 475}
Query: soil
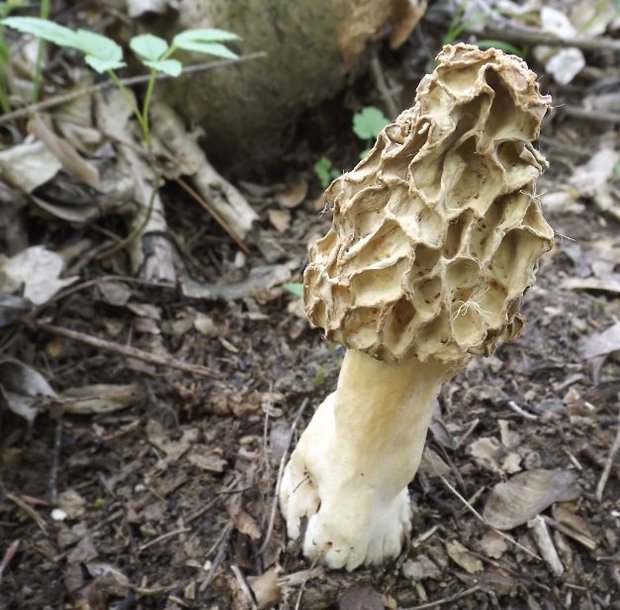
{"x": 169, "y": 502}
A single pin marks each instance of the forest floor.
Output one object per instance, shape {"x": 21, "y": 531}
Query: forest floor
{"x": 159, "y": 490}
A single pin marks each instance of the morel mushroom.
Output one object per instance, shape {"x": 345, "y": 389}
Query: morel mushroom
{"x": 435, "y": 237}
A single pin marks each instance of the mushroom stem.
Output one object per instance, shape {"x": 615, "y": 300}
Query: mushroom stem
{"x": 350, "y": 470}
{"x": 382, "y": 411}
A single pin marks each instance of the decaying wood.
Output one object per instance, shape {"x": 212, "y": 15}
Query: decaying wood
{"x": 223, "y": 201}
{"x": 151, "y": 252}
{"x": 312, "y": 47}
{"x": 128, "y": 351}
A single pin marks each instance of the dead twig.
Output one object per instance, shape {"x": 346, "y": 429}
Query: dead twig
{"x": 582, "y": 539}
{"x": 274, "y": 505}
{"x": 8, "y": 556}
{"x": 303, "y": 584}
{"x": 212, "y": 210}
{"x": 379, "y": 78}
{"x": 203, "y": 509}
{"x": 602, "y": 482}
{"x": 128, "y": 82}
{"x": 128, "y": 351}
{"x": 33, "y": 514}
{"x": 181, "y": 530}
{"x": 533, "y": 37}
{"x": 521, "y": 411}
{"x": 445, "y": 600}
{"x": 596, "y": 116}
{"x": 53, "y": 484}
{"x": 243, "y": 585}
{"x": 221, "y": 551}
{"x": 480, "y": 518}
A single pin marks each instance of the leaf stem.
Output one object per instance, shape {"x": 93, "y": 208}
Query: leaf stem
{"x": 36, "y": 81}
{"x": 147, "y": 105}
{"x": 130, "y": 98}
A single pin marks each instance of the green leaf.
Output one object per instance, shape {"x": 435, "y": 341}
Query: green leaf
{"x": 102, "y": 65}
{"x": 203, "y": 35}
{"x": 43, "y": 28}
{"x": 296, "y": 288}
{"x": 324, "y": 170}
{"x": 172, "y": 67}
{"x": 149, "y": 47}
{"x": 102, "y": 53}
{"x": 500, "y": 44}
{"x": 319, "y": 377}
{"x": 208, "y": 48}
{"x": 369, "y": 122}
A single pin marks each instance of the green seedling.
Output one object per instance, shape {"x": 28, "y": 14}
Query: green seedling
{"x": 5, "y": 64}
{"x": 296, "y": 288}
{"x": 367, "y": 123}
{"x": 325, "y": 171}
{"x": 458, "y": 25}
{"x": 319, "y": 377}
{"x": 504, "y": 46}
{"x": 104, "y": 55}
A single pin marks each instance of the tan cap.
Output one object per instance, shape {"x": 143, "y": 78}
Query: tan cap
{"x": 437, "y": 233}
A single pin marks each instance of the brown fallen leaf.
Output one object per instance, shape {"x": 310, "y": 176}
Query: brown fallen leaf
{"x": 99, "y": 398}
{"x": 602, "y": 343}
{"x": 421, "y": 568}
{"x": 592, "y": 283}
{"x": 360, "y": 597}
{"x": 571, "y": 519}
{"x": 492, "y": 545}
{"x": 27, "y": 166}
{"x": 432, "y": 465}
{"x": 110, "y": 579}
{"x": 293, "y": 194}
{"x": 528, "y": 494}
{"x": 463, "y": 557}
{"x": 71, "y": 160}
{"x": 405, "y": 16}
{"x": 22, "y": 388}
{"x": 34, "y": 272}
{"x": 72, "y": 503}
{"x": 210, "y": 462}
{"x": 266, "y": 588}
{"x": 280, "y": 219}
{"x": 489, "y": 453}
{"x": 242, "y": 521}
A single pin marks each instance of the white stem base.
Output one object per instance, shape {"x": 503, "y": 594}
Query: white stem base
{"x": 349, "y": 472}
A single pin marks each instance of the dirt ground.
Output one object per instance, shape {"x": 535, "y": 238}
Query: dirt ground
{"x": 168, "y": 502}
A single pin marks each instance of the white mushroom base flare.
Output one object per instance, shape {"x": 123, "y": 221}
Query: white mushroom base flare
{"x": 349, "y": 472}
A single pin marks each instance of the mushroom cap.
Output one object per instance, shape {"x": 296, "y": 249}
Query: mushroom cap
{"x": 437, "y": 233}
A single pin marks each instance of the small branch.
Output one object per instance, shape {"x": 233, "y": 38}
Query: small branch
{"x": 481, "y": 519}
{"x": 53, "y": 483}
{"x": 602, "y": 482}
{"x": 243, "y": 585}
{"x": 445, "y": 600}
{"x": 8, "y": 556}
{"x": 181, "y": 530}
{"x": 596, "y": 116}
{"x": 128, "y": 351}
{"x": 521, "y": 411}
{"x": 127, "y": 82}
{"x": 511, "y": 32}
{"x": 33, "y": 514}
{"x": 274, "y": 506}
{"x": 538, "y": 37}
{"x": 221, "y": 551}
{"x": 388, "y": 98}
